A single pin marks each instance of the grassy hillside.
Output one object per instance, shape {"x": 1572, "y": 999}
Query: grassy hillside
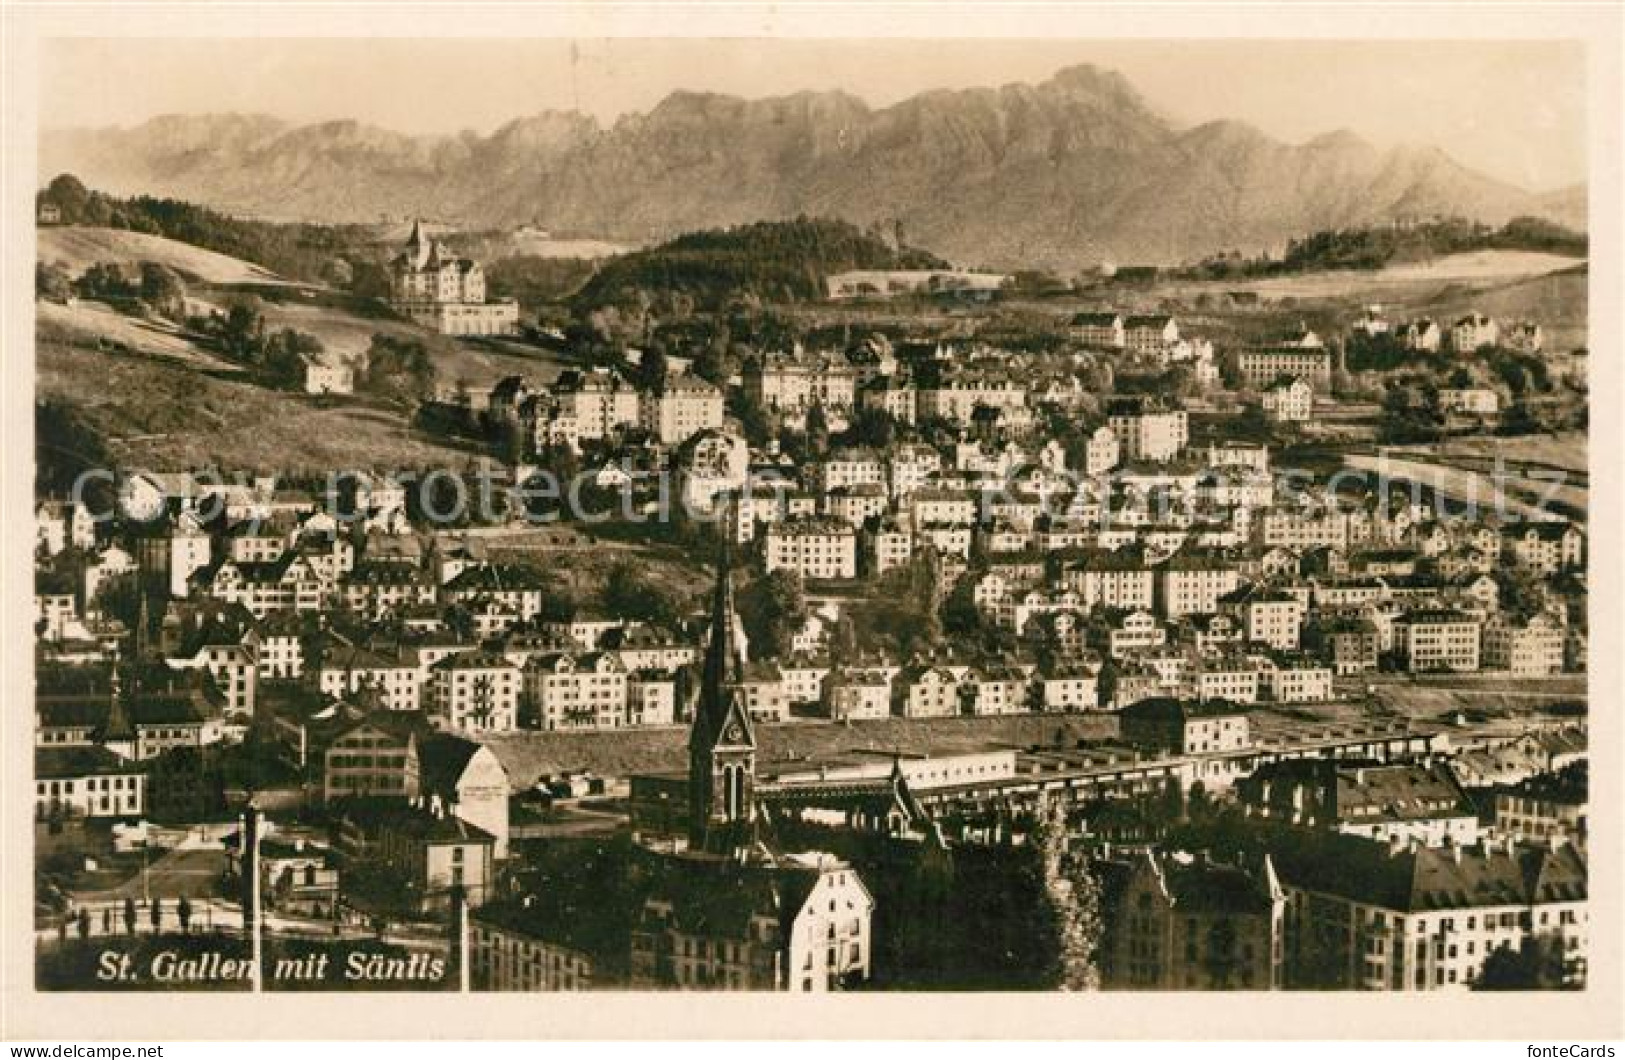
{"x": 159, "y": 415}
{"x": 1558, "y": 300}
{"x": 301, "y": 251}
{"x": 79, "y": 248}
{"x": 94, "y": 324}
{"x": 1409, "y": 283}
{"x": 343, "y": 323}
{"x": 1386, "y": 246}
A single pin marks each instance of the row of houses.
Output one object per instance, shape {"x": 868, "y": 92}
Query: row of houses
{"x": 1467, "y": 334}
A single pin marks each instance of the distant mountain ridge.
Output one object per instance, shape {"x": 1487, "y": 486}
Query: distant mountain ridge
{"x": 1066, "y": 173}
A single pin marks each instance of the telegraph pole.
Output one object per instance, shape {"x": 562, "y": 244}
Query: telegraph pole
{"x": 251, "y": 894}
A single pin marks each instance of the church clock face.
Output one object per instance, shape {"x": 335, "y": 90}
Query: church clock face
{"x": 735, "y": 733}
{"x": 139, "y": 501}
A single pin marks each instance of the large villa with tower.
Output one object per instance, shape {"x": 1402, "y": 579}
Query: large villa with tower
{"x": 446, "y": 293}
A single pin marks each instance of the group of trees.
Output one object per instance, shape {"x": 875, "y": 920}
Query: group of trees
{"x": 279, "y": 355}
{"x": 532, "y": 279}
{"x": 903, "y": 615}
{"x": 1532, "y": 400}
{"x": 66, "y": 446}
{"x": 147, "y": 287}
{"x": 772, "y": 609}
{"x": 630, "y": 593}
{"x": 300, "y": 251}
{"x": 1073, "y": 900}
{"x": 1374, "y": 247}
{"x": 129, "y": 917}
{"x": 770, "y": 260}
{"x": 397, "y": 369}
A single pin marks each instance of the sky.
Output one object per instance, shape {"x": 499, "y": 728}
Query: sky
{"x": 1514, "y": 110}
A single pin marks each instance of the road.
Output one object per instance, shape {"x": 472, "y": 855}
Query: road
{"x": 171, "y": 875}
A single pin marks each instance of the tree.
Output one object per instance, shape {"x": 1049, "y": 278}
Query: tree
{"x": 843, "y": 641}
{"x": 1522, "y": 592}
{"x": 119, "y": 597}
{"x": 628, "y": 593}
{"x": 753, "y": 419}
{"x": 106, "y": 281}
{"x": 368, "y": 279}
{"x": 1073, "y": 895}
{"x": 286, "y": 354}
{"x": 398, "y": 369}
{"x": 242, "y": 332}
{"x": 157, "y": 912}
{"x": 960, "y": 615}
{"x": 69, "y": 195}
{"x": 713, "y": 363}
{"x": 925, "y": 593}
{"x": 183, "y": 913}
{"x": 871, "y": 427}
{"x": 84, "y": 923}
{"x": 337, "y": 273}
{"x": 558, "y": 466}
{"x": 52, "y": 282}
{"x": 1536, "y": 965}
{"x": 772, "y": 610}
{"x": 515, "y": 443}
{"x": 817, "y": 430}
{"x": 129, "y": 915}
{"x": 162, "y": 288}
{"x": 653, "y": 366}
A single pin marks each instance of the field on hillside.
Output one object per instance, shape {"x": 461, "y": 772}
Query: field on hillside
{"x": 1513, "y": 285}
{"x": 1434, "y": 697}
{"x": 481, "y": 363}
{"x": 1478, "y": 269}
{"x": 549, "y": 247}
{"x": 1510, "y": 494}
{"x": 1567, "y": 451}
{"x": 94, "y": 323}
{"x": 530, "y": 755}
{"x": 345, "y": 336}
{"x": 344, "y": 333}
{"x": 160, "y": 416}
{"x": 1557, "y": 301}
{"x": 80, "y": 247}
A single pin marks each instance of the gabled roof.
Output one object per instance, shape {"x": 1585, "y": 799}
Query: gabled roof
{"x": 1422, "y": 879}
{"x": 474, "y": 659}
{"x": 442, "y": 760}
{"x": 1170, "y": 709}
{"x": 54, "y": 763}
{"x": 495, "y": 577}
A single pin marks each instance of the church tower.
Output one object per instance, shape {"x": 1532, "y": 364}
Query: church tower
{"x": 116, "y": 733}
{"x": 721, "y": 743}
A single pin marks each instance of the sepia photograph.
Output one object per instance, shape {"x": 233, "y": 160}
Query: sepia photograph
{"x": 861, "y": 515}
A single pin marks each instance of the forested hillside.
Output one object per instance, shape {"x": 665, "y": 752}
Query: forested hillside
{"x": 772, "y": 260}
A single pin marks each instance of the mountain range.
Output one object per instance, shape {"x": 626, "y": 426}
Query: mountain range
{"x": 1067, "y": 173}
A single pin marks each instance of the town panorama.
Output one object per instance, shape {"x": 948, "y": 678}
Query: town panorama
{"x": 466, "y": 595}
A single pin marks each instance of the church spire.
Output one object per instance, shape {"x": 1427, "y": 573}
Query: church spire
{"x": 724, "y": 661}
{"x": 117, "y": 734}
{"x": 721, "y": 743}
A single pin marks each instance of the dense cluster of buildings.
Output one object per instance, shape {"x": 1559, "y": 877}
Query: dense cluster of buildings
{"x": 1138, "y": 570}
